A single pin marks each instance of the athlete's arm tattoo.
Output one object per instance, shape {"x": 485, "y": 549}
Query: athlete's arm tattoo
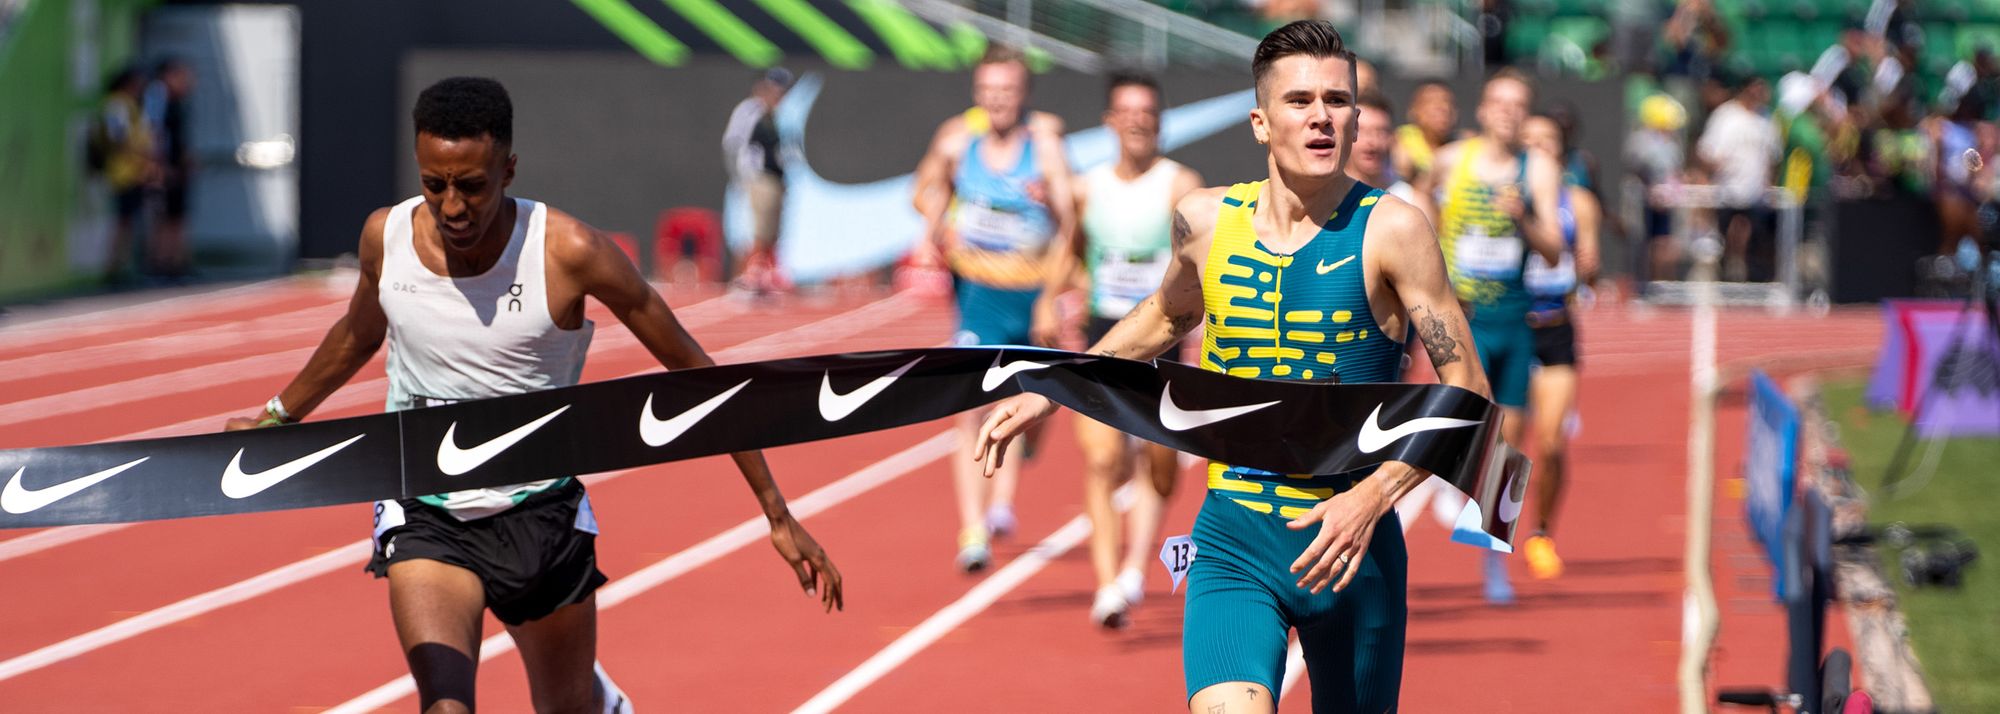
{"x": 1436, "y": 334}
{"x": 1182, "y": 231}
{"x": 1219, "y": 709}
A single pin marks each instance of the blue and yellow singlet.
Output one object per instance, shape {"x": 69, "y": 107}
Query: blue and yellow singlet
{"x": 1299, "y": 316}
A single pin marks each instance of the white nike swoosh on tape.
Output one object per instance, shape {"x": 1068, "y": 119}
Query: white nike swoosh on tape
{"x": 453, "y": 460}
{"x": 997, "y": 375}
{"x": 1510, "y": 506}
{"x": 656, "y": 432}
{"x": 834, "y": 406}
{"x": 1372, "y": 438}
{"x": 1323, "y": 268}
{"x": 1173, "y": 417}
{"x": 237, "y": 484}
{"x": 18, "y": 499}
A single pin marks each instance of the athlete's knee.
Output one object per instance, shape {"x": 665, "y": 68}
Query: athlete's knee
{"x": 1233, "y": 698}
{"x": 444, "y": 676}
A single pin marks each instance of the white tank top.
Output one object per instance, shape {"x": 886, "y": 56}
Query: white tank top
{"x": 489, "y": 335}
{"x": 1127, "y": 228}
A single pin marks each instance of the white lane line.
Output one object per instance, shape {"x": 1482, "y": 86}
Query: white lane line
{"x": 351, "y": 554}
{"x": 282, "y": 326}
{"x": 960, "y": 611}
{"x": 61, "y": 324}
{"x": 708, "y": 551}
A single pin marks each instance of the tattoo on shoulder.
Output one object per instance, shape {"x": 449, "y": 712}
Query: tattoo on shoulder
{"x": 1182, "y": 231}
{"x": 1436, "y": 334}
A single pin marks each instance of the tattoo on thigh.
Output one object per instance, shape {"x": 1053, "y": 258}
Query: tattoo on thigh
{"x": 1436, "y": 334}
{"x": 1219, "y": 709}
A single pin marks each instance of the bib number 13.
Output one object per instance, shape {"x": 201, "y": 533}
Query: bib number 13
{"x": 1178, "y": 555}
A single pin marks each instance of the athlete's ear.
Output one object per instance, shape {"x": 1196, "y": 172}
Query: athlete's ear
{"x": 509, "y": 180}
{"x": 1259, "y": 126}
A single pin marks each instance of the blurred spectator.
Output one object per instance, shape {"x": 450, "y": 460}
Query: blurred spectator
{"x": 1895, "y": 152}
{"x": 1696, "y": 40}
{"x": 1654, "y": 152}
{"x": 1635, "y": 25}
{"x": 1895, "y": 23}
{"x": 166, "y": 114}
{"x": 1739, "y": 146}
{"x": 750, "y": 152}
{"x": 1433, "y": 121}
{"x": 1953, "y": 136}
{"x": 1364, "y": 78}
{"x": 121, "y": 147}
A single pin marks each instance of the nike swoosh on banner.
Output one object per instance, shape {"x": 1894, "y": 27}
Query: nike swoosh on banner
{"x": 834, "y": 406}
{"x": 454, "y": 461}
{"x": 1323, "y": 268}
{"x": 997, "y": 375}
{"x": 1510, "y": 504}
{"x": 237, "y": 484}
{"x": 656, "y": 432}
{"x": 1372, "y": 438}
{"x": 18, "y": 499}
{"x": 1173, "y": 417}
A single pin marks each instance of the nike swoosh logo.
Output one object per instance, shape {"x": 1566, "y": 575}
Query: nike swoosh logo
{"x": 1373, "y": 438}
{"x": 656, "y": 432}
{"x": 1510, "y": 500}
{"x": 454, "y": 461}
{"x": 1323, "y": 268}
{"x": 237, "y": 484}
{"x": 834, "y": 406}
{"x": 1173, "y": 417}
{"x": 997, "y": 375}
{"x": 18, "y": 499}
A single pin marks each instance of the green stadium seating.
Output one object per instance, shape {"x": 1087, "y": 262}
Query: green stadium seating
{"x": 1973, "y": 37}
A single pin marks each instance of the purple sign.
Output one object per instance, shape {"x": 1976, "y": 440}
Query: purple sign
{"x": 1936, "y": 354}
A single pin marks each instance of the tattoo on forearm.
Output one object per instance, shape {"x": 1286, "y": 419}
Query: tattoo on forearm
{"x": 1436, "y": 334}
{"x": 1182, "y": 231}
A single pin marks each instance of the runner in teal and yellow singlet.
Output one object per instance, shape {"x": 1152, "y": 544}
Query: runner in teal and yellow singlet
{"x": 1307, "y": 274}
{"x": 1500, "y": 202}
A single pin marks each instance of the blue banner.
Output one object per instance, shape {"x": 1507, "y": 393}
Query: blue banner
{"x": 1769, "y": 470}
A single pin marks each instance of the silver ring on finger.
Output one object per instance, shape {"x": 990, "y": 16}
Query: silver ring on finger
{"x": 1341, "y": 559}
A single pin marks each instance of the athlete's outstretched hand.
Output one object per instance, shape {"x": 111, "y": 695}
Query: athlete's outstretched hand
{"x": 817, "y": 576}
{"x": 1346, "y": 525}
{"x": 1008, "y": 419}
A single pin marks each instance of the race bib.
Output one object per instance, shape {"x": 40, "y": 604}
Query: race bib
{"x": 1122, "y": 279}
{"x": 1178, "y": 555}
{"x": 991, "y": 229}
{"x": 388, "y": 514}
{"x": 1487, "y": 257}
{"x": 1551, "y": 280}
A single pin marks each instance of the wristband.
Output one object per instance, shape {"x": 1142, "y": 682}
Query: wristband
{"x": 276, "y": 410}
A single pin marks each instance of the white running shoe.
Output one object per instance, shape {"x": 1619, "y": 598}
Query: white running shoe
{"x": 1109, "y": 609}
{"x": 1000, "y": 521}
{"x": 615, "y": 701}
{"x": 1132, "y": 584}
{"x": 973, "y": 552}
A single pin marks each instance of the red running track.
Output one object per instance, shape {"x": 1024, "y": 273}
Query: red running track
{"x": 267, "y": 612}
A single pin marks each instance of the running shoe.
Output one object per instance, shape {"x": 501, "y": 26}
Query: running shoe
{"x": 615, "y": 701}
{"x": 973, "y": 552}
{"x": 1131, "y": 584}
{"x": 1109, "y": 610}
{"x": 1542, "y": 559}
{"x": 1000, "y": 521}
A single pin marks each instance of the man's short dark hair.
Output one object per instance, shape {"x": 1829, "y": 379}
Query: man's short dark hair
{"x": 466, "y": 108}
{"x": 1429, "y": 82}
{"x": 1377, "y": 102}
{"x": 1132, "y": 78}
{"x": 1312, "y": 38}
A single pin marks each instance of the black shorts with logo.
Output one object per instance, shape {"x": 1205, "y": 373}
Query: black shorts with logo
{"x": 1555, "y": 344}
{"x": 532, "y": 559}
